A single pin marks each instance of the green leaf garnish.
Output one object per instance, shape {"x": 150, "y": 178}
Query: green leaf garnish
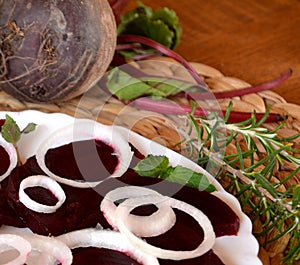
{"x": 152, "y": 166}
{"x": 29, "y": 128}
{"x": 158, "y": 167}
{"x": 10, "y": 130}
{"x": 161, "y": 25}
{"x": 190, "y": 178}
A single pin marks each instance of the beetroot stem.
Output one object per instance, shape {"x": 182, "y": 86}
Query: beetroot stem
{"x": 117, "y": 7}
{"x": 164, "y": 50}
{"x": 240, "y": 92}
{"x": 165, "y": 107}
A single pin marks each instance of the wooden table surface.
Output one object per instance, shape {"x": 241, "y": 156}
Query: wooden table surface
{"x": 254, "y": 40}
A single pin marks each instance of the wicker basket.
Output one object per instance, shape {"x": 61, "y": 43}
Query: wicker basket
{"x": 164, "y": 129}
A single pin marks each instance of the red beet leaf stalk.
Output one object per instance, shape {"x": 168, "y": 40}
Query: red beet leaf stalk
{"x": 117, "y": 7}
{"x": 199, "y": 95}
{"x": 164, "y": 50}
{"x": 166, "y": 107}
{"x": 240, "y": 92}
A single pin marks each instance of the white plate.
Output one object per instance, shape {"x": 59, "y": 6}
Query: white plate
{"x": 241, "y": 249}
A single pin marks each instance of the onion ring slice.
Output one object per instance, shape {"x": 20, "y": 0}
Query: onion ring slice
{"x": 51, "y": 246}
{"x": 113, "y": 240}
{"x": 45, "y": 182}
{"x": 18, "y": 243}
{"x": 45, "y": 250}
{"x": 84, "y": 129}
{"x": 12, "y": 153}
{"x": 128, "y": 205}
{"x": 145, "y": 226}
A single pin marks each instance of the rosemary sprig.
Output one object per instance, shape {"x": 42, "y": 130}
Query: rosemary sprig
{"x": 249, "y": 172}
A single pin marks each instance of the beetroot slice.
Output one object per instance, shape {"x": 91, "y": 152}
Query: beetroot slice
{"x": 80, "y": 210}
{"x": 7, "y": 215}
{"x": 64, "y": 163}
{"x": 95, "y": 256}
{"x": 222, "y": 217}
{"x": 5, "y": 161}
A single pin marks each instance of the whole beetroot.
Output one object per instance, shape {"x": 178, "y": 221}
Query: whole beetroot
{"x": 54, "y": 50}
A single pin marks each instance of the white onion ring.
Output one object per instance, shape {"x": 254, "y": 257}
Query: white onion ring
{"x": 145, "y": 226}
{"x": 13, "y": 157}
{"x": 45, "y": 182}
{"x": 106, "y": 239}
{"x": 18, "y": 243}
{"x": 125, "y": 207}
{"x": 84, "y": 129}
{"x": 51, "y": 246}
{"x": 50, "y": 249}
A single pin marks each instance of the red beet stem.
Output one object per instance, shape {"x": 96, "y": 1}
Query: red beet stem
{"x": 117, "y": 7}
{"x": 164, "y": 50}
{"x": 166, "y": 107}
{"x": 240, "y": 92}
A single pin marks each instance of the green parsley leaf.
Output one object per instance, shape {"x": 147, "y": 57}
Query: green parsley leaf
{"x": 10, "y": 130}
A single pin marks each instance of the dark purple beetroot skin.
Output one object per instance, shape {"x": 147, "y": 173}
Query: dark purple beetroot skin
{"x": 81, "y": 209}
{"x": 54, "y": 50}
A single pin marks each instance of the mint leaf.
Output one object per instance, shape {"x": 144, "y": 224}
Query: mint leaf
{"x": 190, "y": 178}
{"x": 152, "y": 166}
{"x": 29, "y": 128}
{"x": 10, "y": 130}
{"x": 158, "y": 167}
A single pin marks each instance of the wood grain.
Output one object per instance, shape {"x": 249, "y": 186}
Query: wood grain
{"x": 249, "y": 39}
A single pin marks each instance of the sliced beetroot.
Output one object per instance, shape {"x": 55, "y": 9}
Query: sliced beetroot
{"x": 209, "y": 258}
{"x": 78, "y": 160}
{"x": 2, "y": 121}
{"x": 96, "y": 256}
{"x": 7, "y": 215}
{"x": 4, "y": 160}
{"x": 80, "y": 210}
{"x": 222, "y": 217}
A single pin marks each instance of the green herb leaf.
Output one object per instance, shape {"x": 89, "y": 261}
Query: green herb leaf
{"x": 127, "y": 88}
{"x": 29, "y": 128}
{"x": 152, "y": 166}
{"x": 10, "y": 130}
{"x": 158, "y": 167}
{"x": 124, "y": 86}
{"x": 190, "y": 178}
{"x": 161, "y": 25}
